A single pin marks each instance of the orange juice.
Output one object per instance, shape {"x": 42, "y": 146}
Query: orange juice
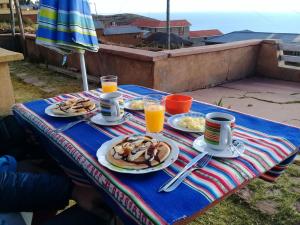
{"x": 154, "y": 115}
{"x": 109, "y": 86}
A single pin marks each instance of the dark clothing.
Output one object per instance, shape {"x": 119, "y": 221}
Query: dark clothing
{"x": 77, "y": 216}
{"x": 8, "y": 164}
{"x": 29, "y": 191}
{"x": 32, "y": 192}
{"x": 13, "y": 139}
{"x": 21, "y": 192}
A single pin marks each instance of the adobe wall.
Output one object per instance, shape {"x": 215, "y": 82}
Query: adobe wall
{"x": 126, "y": 39}
{"x": 267, "y": 63}
{"x": 132, "y": 66}
{"x": 7, "y": 41}
{"x": 173, "y": 71}
{"x": 40, "y": 54}
{"x": 201, "y": 67}
{"x": 31, "y": 15}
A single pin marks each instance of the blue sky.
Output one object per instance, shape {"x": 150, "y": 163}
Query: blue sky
{"x": 149, "y": 6}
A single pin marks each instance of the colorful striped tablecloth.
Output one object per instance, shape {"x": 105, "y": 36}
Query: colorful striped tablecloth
{"x": 136, "y": 196}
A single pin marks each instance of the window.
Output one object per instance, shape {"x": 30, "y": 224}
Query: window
{"x": 181, "y": 31}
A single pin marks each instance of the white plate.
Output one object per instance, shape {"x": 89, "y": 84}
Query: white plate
{"x": 102, "y": 151}
{"x": 99, "y": 119}
{"x": 49, "y": 112}
{"x": 129, "y": 101}
{"x": 200, "y": 145}
{"x": 174, "y": 120}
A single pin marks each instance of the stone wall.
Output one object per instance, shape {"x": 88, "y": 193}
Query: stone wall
{"x": 267, "y": 63}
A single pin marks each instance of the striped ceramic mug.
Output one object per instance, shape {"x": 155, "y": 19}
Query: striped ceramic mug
{"x": 112, "y": 106}
{"x": 218, "y": 130}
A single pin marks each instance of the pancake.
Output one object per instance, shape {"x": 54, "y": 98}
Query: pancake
{"x": 74, "y": 106}
{"x": 142, "y": 153}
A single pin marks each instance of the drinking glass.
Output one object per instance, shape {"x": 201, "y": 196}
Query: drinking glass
{"x": 109, "y": 83}
{"x": 154, "y": 106}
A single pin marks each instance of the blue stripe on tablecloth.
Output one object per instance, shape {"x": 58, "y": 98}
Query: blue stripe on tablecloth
{"x": 272, "y": 155}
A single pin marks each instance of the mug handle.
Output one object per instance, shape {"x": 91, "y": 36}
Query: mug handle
{"x": 229, "y": 134}
{"x": 118, "y": 113}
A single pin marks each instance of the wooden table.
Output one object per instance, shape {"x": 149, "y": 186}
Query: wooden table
{"x": 7, "y": 98}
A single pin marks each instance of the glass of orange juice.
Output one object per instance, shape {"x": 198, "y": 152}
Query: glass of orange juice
{"x": 154, "y": 106}
{"x": 109, "y": 83}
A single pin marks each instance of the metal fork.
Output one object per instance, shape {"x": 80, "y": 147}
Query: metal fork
{"x": 86, "y": 118}
{"x": 70, "y": 125}
{"x": 201, "y": 164}
{"x": 234, "y": 148}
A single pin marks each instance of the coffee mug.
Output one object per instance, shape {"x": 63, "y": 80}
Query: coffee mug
{"x": 218, "y": 130}
{"x": 112, "y": 106}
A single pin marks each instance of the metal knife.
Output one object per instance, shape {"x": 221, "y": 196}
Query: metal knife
{"x": 189, "y": 165}
{"x": 201, "y": 164}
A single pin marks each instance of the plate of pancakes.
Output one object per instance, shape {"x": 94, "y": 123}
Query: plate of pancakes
{"x": 138, "y": 154}
{"x": 71, "y": 107}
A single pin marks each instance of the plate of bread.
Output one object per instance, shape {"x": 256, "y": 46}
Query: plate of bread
{"x": 138, "y": 154}
{"x": 71, "y": 107}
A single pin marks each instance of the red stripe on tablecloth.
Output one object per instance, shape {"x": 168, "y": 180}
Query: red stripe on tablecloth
{"x": 214, "y": 164}
{"x": 267, "y": 145}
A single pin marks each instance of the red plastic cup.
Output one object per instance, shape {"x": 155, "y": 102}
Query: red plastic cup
{"x": 176, "y": 104}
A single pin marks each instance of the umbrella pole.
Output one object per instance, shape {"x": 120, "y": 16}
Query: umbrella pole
{"x": 168, "y": 25}
{"x": 83, "y": 71}
{"x": 21, "y": 26}
{"x": 12, "y": 17}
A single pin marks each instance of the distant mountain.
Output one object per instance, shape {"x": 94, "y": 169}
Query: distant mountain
{"x": 119, "y": 19}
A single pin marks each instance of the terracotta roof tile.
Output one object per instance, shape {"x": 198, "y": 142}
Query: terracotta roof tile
{"x": 205, "y": 33}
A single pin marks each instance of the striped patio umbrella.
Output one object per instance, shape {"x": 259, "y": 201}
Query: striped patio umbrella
{"x": 67, "y": 26}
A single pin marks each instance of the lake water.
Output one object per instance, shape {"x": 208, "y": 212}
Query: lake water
{"x": 228, "y": 22}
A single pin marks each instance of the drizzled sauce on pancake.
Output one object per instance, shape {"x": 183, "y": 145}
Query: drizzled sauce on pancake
{"x": 152, "y": 151}
{"x": 76, "y": 105}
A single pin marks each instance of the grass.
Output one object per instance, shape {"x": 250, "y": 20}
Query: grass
{"x": 49, "y": 83}
{"x": 233, "y": 210}
{"x": 26, "y": 92}
{"x": 236, "y": 211}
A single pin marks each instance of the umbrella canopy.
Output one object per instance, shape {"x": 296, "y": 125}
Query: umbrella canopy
{"x": 67, "y": 26}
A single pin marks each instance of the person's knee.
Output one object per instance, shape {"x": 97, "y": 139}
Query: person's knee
{"x": 8, "y": 164}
